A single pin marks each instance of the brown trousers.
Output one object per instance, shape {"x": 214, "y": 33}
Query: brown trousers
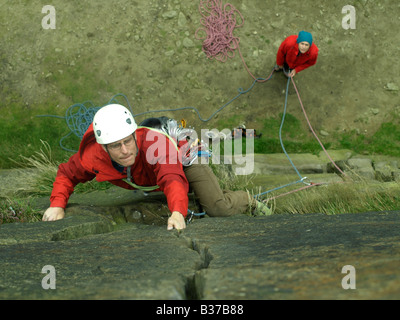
{"x": 214, "y": 201}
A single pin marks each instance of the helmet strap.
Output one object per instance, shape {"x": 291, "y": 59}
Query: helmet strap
{"x": 128, "y": 169}
{"x": 128, "y": 174}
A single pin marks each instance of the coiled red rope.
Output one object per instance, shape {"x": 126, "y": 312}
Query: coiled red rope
{"x": 218, "y": 23}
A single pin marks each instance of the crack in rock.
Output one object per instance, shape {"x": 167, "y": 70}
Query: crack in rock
{"x": 194, "y": 282}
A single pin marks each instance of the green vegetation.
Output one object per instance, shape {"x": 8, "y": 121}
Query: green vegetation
{"x": 21, "y": 128}
{"x": 22, "y": 131}
{"x": 385, "y": 141}
{"x": 18, "y": 211}
{"x": 349, "y": 197}
{"x": 39, "y": 182}
{"x": 297, "y": 138}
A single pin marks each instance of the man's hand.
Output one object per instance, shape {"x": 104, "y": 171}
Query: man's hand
{"x": 177, "y": 221}
{"x": 53, "y": 213}
{"x": 292, "y": 73}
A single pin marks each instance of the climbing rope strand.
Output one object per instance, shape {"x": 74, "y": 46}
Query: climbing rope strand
{"x": 294, "y": 191}
{"x": 284, "y": 150}
{"x": 313, "y": 132}
{"x": 277, "y": 188}
{"x": 240, "y": 92}
{"x": 248, "y": 70}
{"x": 280, "y": 130}
{"x": 115, "y": 100}
{"x": 61, "y": 142}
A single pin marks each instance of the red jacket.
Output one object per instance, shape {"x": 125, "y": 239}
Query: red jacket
{"x": 289, "y": 52}
{"x": 92, "y": 161}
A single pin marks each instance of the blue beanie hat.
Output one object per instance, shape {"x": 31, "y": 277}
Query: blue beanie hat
{"x": 304, "y": 36}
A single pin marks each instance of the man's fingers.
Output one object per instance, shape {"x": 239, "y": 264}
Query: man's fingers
{"x": 172, "y": 223}
{"x": 53, "y": 214}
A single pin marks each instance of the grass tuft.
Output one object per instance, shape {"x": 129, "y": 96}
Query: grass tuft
{"x": 39, "y": 180}
{"x": 18, "y": 211}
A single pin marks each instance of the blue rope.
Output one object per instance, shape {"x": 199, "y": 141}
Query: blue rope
{"x": 280, "y": 129}
{"x": 257, "y": 196}
{"x": 80, "y": 115}
{"x": 278, "y": 188}
{"x": 192, "y": 214}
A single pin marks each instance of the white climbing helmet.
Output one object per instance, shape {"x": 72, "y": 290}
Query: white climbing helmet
{"x": 112, "y": 123}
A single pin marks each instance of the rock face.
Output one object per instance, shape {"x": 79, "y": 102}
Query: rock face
{"x": 274, "y": 257}
{"x": 299, "y": 257}
{"x": 380, "y": 168}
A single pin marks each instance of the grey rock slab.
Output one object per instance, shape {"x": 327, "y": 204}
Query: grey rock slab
{"x": 69, "y": 228}
{"x": 133, "y": 262}
{"x": 299, "y": 256}
{"x": 114, "y": 196}
{"x": 275, "y": 257}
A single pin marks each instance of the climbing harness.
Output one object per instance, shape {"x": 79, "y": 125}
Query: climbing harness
{"x": 189, "y": 151}
{"x": 175, "y": 133}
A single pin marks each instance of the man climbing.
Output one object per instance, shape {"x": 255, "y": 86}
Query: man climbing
{"x": 115, "y": 149}
{"x": 296, "y": 53}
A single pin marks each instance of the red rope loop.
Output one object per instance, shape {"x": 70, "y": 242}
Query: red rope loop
{"x": 218, "y": 23}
